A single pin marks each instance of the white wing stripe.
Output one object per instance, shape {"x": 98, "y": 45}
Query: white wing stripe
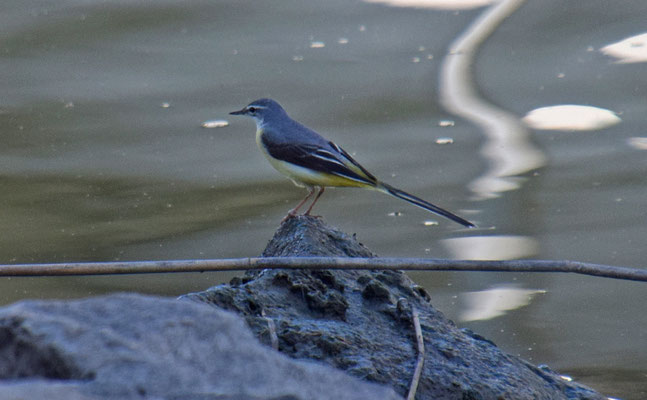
{"x": 327, "y": 156}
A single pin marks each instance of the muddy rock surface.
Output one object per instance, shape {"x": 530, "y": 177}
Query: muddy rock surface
{"x": 361, "y": 322}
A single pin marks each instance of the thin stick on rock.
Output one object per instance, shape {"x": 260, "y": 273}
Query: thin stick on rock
{"x": 421, "y": 354}
{"x": 271, "y": 327}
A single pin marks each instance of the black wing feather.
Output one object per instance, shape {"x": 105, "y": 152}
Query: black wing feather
{"x": 305, "y": 155}
{"x": 352, "y": 160}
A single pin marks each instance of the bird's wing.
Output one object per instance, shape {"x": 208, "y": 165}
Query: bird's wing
{"x": 331, "y": 159}
{"x": 354, "y": 165}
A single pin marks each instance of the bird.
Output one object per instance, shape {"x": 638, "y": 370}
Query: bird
{"x": 314, "y": 162}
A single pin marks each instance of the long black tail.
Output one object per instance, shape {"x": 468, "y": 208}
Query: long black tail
{"x": 424, "y": 204}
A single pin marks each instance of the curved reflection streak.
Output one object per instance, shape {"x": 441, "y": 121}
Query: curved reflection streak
{"x": 503, "y": 247}
{"x": 507, "y": 145}
{"x": 495, "y": 302}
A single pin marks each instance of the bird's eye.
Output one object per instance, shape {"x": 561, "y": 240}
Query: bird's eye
{"x": 252, "y": 110}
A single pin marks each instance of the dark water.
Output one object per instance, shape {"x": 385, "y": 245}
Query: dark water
{"x": 104, "y": 158}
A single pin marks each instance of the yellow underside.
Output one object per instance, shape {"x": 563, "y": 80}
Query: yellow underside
{"x": 306, "y": 177}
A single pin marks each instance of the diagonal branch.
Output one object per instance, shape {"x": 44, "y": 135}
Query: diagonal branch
{"x": 420, "y": 346}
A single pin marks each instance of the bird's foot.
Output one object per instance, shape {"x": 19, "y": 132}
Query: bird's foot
{"x": 294, "y": 215}
{"x": 313, "y": 216}
{"x": 290, "y": 214}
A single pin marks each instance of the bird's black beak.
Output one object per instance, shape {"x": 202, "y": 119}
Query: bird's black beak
{"x": 239, "y": 112}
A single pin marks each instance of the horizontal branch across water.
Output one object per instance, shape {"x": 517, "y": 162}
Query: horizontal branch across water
{"x": 240, "y": 264}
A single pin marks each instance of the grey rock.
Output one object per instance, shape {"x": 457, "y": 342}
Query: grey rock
{"x": 360, "y": 322}
{"x": 129, "y": 346}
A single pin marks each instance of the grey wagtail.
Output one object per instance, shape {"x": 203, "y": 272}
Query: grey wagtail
{"x": 314, "y": 162}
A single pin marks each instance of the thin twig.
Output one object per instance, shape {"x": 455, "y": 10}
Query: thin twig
{"x": 271, "y": 327}
{"x": 421, "y": 354}
{"x": 239, "y": 264}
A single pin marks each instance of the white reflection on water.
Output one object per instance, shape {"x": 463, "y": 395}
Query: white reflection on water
{"x": 571, "y": 117}
{"x": 630, "y": 50}
{"x": 507, "y": 146}
{"x": 215, "y": 123}
{"x": 494, "y": 302}
{"x": 444, "y": 140}
{"x": 639, "y": 143}
{"x": 436, "y": 4}
{"x": 502, "y": 247}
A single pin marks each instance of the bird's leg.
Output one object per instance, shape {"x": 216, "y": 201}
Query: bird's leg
{"x": 321, "y": 190}
{"x": 293, "y": 212}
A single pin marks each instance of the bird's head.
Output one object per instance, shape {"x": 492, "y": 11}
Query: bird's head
{"x": 261, "y": 110}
